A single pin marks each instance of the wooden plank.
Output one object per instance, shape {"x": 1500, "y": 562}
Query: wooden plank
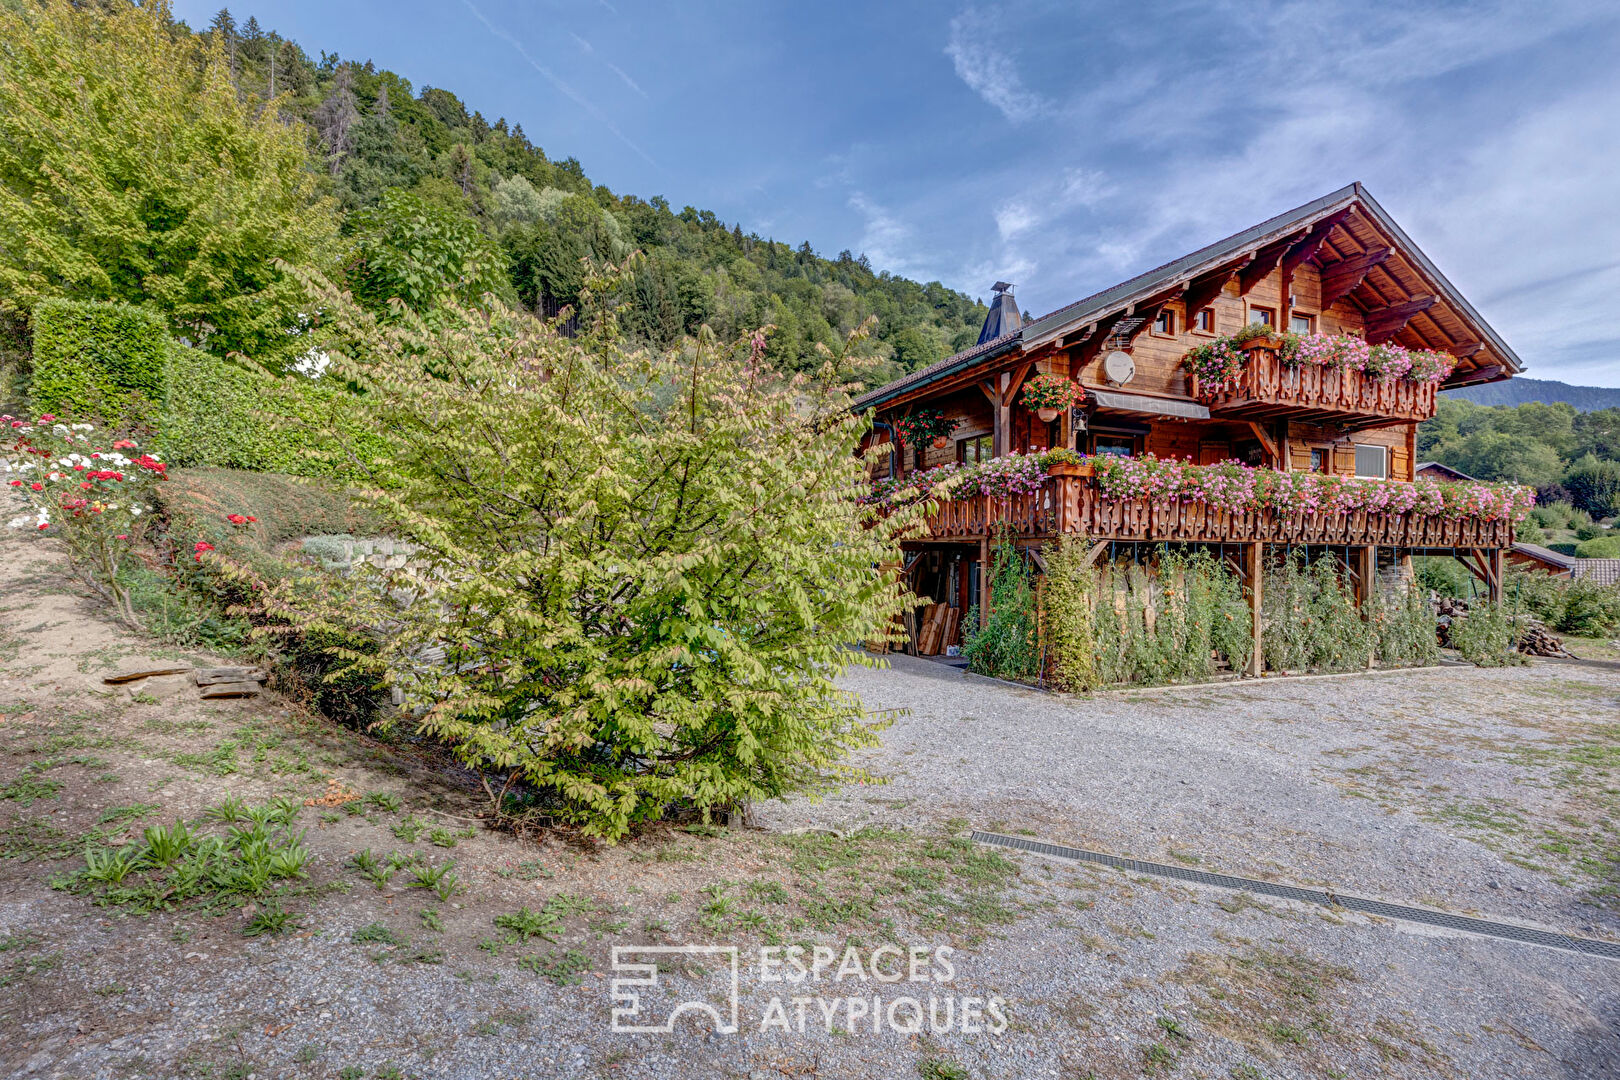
{"x": 230, "y": 690}
{"x": 209, "y": 676}
{"x": 143, "y": 673}
{"x": 1254, "y": 570}
{"x": 1270, "y": 444}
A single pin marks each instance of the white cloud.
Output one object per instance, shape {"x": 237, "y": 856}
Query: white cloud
{"x": 987, "y": 70}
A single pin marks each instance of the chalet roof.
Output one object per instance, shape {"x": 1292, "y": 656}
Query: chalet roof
{"x": 1447, "y": 470}
{"x": 1157, "y": 281}
{"x": 1598, "y": 571}
{"x": 1546, "y": 555}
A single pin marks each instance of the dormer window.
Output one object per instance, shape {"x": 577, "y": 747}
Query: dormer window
{"x": 1164, "y": 323}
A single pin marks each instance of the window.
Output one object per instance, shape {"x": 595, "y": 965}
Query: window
{"x": 1117, "y": 445}
{"x": 1263, "y": 315}
{"x": 1372, "y": 460}
{"x": 1164, "y": 322}
{"x": 1302, "y": 324}
{"x": 975, "y": 449}
{"x": 1321, "y": 459}
{"x": 1206, "y": 319}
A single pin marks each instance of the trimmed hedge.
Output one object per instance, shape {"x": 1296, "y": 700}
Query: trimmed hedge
{"x": 224, "y": 415}
{"x": 98, "y": 358}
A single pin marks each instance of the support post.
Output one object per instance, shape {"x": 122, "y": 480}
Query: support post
{"x": 984, "y": 581}
{"x": 1252, "y": 565}
{"x": 1493, "y": 566}
{"x": 1366, "y": 570}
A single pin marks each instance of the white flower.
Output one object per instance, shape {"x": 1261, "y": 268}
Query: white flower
{"x": 17, "y": 522}
{"x": 84, "y": 427}
{"x": 135, "y": 510}
{"x": 60, "y": 430}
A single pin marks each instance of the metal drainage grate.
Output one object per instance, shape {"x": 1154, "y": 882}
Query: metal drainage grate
{"x": 1506, "y": 931}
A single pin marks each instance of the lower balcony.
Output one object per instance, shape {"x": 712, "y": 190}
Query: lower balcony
{"x": 1072, "y": 504}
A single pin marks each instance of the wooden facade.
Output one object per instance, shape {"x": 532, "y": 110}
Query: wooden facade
{"x": 1337, "y": 265}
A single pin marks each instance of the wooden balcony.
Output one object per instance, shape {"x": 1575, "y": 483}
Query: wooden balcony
{"x": 1072, "y": 504}
{"x": 1270, "y": 389}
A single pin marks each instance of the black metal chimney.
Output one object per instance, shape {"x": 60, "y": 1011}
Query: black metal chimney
{"x": 1003, "y": 318}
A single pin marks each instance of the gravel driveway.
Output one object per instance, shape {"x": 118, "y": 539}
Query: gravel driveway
{"x": 1477, "y": 791}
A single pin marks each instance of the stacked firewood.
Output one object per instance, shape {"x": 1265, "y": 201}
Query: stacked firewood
{"x": 1534, "y": 639}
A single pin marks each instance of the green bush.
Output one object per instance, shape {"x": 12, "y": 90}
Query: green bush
{"x": 1595, "y": 484}
{"x": 1599, "y": 547}
{"x": 225, "y": 415}
{"x": 1006, "y": 647}
{"x": 95, "y": 358}
{"x": 1582, "y": 608}
{"x": 1443, "y": 575}
{"x": 1312, "y": 622}
{"x": 1404, "y": 628}
{"x": 1486, "y": 636}
{"x": 1139, "y": 626}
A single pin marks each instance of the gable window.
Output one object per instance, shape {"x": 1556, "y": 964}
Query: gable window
{"x": 1372, "y": 460}
{"x": 1206, "y": 320}
{"x": 1302, "y": 324}
{"x": 974, "y": 449}
{"x": 1164, "y": 322}
{"x": 1263, "y": 315}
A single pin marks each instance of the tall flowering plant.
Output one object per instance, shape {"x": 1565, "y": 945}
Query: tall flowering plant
{"x": 93, "y": 493}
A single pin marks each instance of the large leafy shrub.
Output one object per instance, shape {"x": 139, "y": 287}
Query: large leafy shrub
{"x": 98, "y": 359}
{"x": 1595, "y": 485}
{"x": 1582, "y": 608}
{"x": 1486, "y": 635}
{"x": 637, "y": 575}
{"x": 1068, "y": 602}
{"x": 132, "y": 169}
{"x": 409, "y": 249}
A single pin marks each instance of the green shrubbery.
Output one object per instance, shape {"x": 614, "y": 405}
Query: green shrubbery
{"x": 222, "y": 414}
{"x": 1486, "y": 635}
{"x": 641, "y": 572}
{"x": 1582, "y": 608}
{"x": 1126, "y": 625}
{"x": 99, "y": 359}
{"x": 1006, "y": 647}
{"x": 1312, "y": 622}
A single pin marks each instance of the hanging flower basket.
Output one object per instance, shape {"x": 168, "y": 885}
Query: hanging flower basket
{"x": 1050, "y": 394}
{"x": 923, "y": 427}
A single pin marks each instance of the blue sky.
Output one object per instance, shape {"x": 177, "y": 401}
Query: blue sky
{"x": 1065, "y": 146}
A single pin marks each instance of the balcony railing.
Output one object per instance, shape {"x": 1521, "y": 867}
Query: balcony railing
{"x": 1072, "y": 504}
{"x": 1268, "y": 388}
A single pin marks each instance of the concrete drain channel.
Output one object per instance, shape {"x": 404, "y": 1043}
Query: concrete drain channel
{"x": 1609, "y": 950}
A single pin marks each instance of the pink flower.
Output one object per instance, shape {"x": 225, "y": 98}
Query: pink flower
{"x": 47, "y": 418}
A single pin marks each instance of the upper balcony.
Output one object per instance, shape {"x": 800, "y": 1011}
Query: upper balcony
{"x": 1268, "y": 389}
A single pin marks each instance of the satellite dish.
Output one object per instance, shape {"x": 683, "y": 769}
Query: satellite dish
{"x": 1118, "y": 367}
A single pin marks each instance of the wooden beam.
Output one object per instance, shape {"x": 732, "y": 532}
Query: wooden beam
{"x": 1265, "y": 261}
{"x": 1265, "y": 440}
{"x": 1088, "y": 349}
{"x": 1386, "y": 323}
{"x": 1478, "y": 375}
{"x": 1341, "y": 277}
{"x": 1464, "y": 349}
{"x": 1307, "y": 248}
{"x": 1201, "y": 292}
{"x": 1091, "y": 556}
{"x": 1011, "y": 386}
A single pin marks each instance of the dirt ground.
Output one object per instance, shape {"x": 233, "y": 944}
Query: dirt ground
{"x": 408, "y": 941}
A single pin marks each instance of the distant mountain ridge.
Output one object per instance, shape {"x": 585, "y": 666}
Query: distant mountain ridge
{"x": 1517, "y": 391}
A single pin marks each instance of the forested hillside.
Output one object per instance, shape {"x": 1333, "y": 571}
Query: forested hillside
{"x": 408, "y": 161}
{"x": 1547, "y": 391}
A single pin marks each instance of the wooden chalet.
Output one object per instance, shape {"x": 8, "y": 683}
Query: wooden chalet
{"x": 1337, "y": 264}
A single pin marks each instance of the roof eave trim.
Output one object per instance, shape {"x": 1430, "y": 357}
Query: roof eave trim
{"x": 878, "y": 398}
